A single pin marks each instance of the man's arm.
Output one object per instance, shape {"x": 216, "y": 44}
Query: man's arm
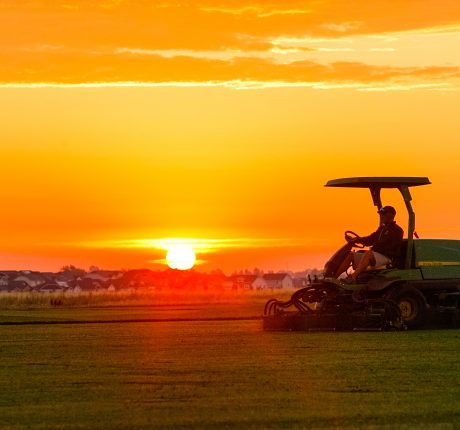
{"x": 367, "y": 240}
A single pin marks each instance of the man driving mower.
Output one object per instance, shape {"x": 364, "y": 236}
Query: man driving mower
{"x": 385, "y": 245}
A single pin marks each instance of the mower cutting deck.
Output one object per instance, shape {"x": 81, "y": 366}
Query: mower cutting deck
{"x": 421, "y": 288}
{"x": 327, "y": 305}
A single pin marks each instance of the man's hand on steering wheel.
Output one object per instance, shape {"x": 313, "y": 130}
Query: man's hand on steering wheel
{"x": 352, "y": 238}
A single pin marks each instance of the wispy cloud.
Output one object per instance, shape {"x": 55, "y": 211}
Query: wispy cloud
{"x": 200, "y": 245}
{"x": 343, "y": 27}
{"x": 258, "y": 11}
{"x": 133, "y": 67}
{"x": 243, "y": 85}
{"x": 224, "y": 54}
{"x": 414, "y": 48}
{"x": 322, "y": 45}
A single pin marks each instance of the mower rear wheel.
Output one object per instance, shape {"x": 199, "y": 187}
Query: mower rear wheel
{"x": 412, "y": 304}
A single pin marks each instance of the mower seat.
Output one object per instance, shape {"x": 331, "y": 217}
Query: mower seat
{"x": 399, "y": 262}
{"x": 374, "y": 268}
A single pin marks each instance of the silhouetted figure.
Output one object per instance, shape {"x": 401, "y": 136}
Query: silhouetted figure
{"x": 386, "y": 244}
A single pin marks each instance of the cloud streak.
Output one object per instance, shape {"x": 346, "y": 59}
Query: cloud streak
{"x": 230, "y": 43}
{"x": 240, "y": 85}
{"x": 256, "y": 11}
{"x": 200, "y": 245}
{"x": 134, "y": 68}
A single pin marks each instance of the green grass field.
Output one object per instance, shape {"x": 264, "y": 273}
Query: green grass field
{"x": 218, "y": 374}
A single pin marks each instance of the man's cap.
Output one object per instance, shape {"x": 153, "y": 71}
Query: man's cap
{"x": 387, "y": 209}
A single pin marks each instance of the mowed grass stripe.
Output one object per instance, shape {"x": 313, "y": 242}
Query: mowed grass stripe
{"x": 121, "y": 320}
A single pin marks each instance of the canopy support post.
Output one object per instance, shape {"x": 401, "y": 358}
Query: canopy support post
{"x": 410, "y": 234}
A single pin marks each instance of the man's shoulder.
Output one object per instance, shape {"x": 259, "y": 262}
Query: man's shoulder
{"x": 396, "y": 227}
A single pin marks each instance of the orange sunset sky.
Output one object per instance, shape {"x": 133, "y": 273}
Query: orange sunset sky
{"x": 125, "y": 124}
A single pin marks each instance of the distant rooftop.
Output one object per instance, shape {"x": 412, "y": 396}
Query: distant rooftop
{"x": 275, "y": 276}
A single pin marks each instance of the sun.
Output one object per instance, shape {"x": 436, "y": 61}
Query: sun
{"x": 180, "y": 257}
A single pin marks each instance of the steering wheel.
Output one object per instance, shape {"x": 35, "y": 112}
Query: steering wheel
{"x": 350, "y": 235}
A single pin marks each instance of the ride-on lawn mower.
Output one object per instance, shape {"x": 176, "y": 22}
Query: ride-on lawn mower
{"x": 420, "y": 289}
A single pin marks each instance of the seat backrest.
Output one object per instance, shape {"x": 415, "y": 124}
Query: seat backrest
{"x": 400, "y": 262}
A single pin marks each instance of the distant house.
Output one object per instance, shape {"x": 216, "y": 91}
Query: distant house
{"x": 227, "y": 282}
{"x": 300, "y": 282}
{"x": 104, "y": 276}
{"x": 136, "y": 278}
{"x": 246, "y": 282}
{"x": 243, "y": 282}
{"x": 278, "y": 280}
{"x": 96, "y": 280}
{"x": 10, "y": 275}
{"x": 4, "y": 279}
{"x": 65, "y": 279}
{"x": 32, "y": 279}
{"x": 88, "y": 284}
{"x": 49, "y": 276}
{"x": 50, "y": 288}
{"x": 259, "y": 283}
{"x": 14, "y": 286}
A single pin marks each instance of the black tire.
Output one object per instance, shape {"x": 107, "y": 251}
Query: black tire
{"x": 412, "y": 304}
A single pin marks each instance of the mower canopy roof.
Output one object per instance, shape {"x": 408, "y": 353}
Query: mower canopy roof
{"x": 379, "y": 182}
{"x": 376, "y": 184}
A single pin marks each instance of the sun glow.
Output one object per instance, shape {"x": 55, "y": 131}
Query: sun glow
{"x": 180, "y": 256}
